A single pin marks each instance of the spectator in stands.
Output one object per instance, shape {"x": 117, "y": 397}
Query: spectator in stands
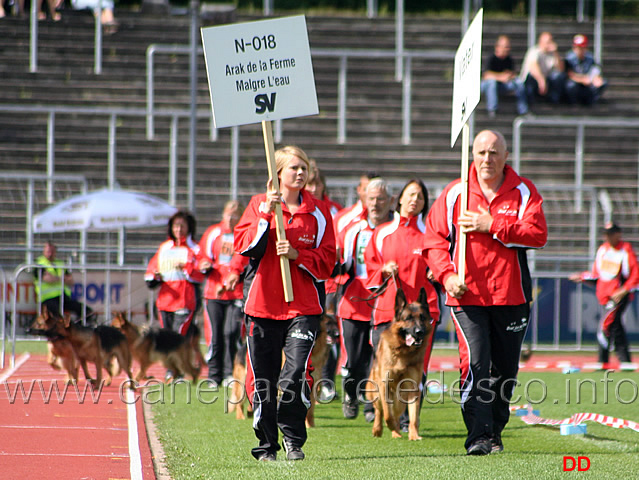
{"x": 543, "y": 70}
{"x": 49, "y": 279}
{"x": 223, "y": 293}
{"x": 107, "y": 17}
{"x": 500, "y": 77}
{"x": 584, "y": 83}
{"x": 18, "y": 9}
{"x": 52, "y": 6}
{"x": 11, "y": 7}
{"x": 617, "y": 274}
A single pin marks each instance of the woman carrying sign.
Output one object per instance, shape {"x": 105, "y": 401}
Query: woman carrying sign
{"x": 277, "y": 326}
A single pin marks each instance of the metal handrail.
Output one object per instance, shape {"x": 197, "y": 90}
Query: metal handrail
{"x": 580, "y": 123}
{"x": 113, "y": 113}
{"x": 343, "y": 54}
{"x": 106, "y": 268}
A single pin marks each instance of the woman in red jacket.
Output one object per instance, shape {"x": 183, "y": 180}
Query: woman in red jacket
{"x": 278, "y": 327}
{"x": 174, "y": 268}
{"x": 395, "y": 251}
{"x": 223, "y": 312}
{"x": 394, "y": 255}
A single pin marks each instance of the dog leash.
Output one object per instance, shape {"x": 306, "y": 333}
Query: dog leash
{"x": 379, "y": 290}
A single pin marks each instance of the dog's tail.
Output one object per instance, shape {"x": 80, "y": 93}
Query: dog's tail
{"x": 193, "y": 336}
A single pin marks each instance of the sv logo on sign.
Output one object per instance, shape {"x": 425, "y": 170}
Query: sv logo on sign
{"x": 581, "y": 463}
{"x": 263, "y": 102}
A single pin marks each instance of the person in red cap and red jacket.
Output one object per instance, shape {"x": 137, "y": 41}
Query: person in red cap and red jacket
{"x": 617, "y": 273}
{"x": 584, "y": 83}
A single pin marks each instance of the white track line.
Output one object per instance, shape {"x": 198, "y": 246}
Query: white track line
{"x": 21, "y": 359}
{"x": 134, "y": 440}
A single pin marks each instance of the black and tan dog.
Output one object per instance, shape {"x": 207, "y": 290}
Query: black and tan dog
{"x": 153, "y": 345}
{"x": 398, "y": 366}
{"x": 328, "y": 335}
{"x": 99, "y": 345}
{"x": 59, "y": 350}
{"x": 237, "y": 396}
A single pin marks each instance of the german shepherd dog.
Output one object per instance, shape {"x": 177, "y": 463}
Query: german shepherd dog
{"x": 158, "y": 344}
{"x": 328, "y": 335}
{"x": 97, "y": 345}
{"x": 60, "y": 352}
{"x": 237, "y": 395}
{"x": 398, "y": 366}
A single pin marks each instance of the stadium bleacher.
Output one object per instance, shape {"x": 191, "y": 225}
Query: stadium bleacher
{"x": 65, "y": 76}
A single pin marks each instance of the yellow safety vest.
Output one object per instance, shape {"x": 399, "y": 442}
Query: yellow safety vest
{"x": 45, "y": 290}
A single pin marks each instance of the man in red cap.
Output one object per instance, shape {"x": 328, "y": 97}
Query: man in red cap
{"x": 584, "y": 83}
{"x": 616, "y": 272}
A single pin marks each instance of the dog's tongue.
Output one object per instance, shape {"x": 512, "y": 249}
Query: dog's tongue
{"x": 409, "y": 340}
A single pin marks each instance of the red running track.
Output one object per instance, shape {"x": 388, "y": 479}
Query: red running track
{"x": 44, "y": 433}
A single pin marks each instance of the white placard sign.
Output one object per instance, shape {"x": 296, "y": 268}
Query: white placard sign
{"x": 466, "y": 84}
{"x": 259, "y": 71}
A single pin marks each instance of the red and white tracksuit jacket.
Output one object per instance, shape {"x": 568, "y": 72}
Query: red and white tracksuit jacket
{"x": 353, "y": 241}
{"x": 347, "y": 215}
{"x": 310, "y": 232}
{"x": 333, "y": 207}
{"x": 177, "y": 262}
{"x": 614, "y": 268}
{"x": 402, "y": 241}
{"x": 216, "y": 246}
{"x": 496, "y": 267}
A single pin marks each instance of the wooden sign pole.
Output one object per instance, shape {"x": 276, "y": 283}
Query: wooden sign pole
{"x": 267, "y": 130}
{"x": 463, "y": 204}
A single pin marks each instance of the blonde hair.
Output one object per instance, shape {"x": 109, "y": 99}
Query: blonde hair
{"x": 284, "y": 154}
{"x": 233, "y": 205}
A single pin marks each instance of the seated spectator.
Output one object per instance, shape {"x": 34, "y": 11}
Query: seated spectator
{"x": 52, "y": 6}
{"x": 584, "y": 83}
{"x": 543, "y": 70}
{"x": 14, "y": 8}
{"x": 499, "y": 77}
{"x": 107, "y": 18}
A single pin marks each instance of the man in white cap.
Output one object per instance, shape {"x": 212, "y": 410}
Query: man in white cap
{"x": 584, "y": 83}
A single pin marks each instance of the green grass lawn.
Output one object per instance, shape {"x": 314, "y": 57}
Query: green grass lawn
{"x": 202, "y": 442}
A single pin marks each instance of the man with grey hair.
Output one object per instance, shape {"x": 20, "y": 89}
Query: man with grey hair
{"x": 490, "y": 307}
{"x": 354, "y": 311}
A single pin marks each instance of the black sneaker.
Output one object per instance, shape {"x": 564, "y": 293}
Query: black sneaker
{"x": 481, "y": 446}
{"x": 292, "y": 452}
{"x": 267, "y": 457}
{"x": 350, "y": 410}
{"x": 496, "y": 445}
{"x": 369, "y": 416}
